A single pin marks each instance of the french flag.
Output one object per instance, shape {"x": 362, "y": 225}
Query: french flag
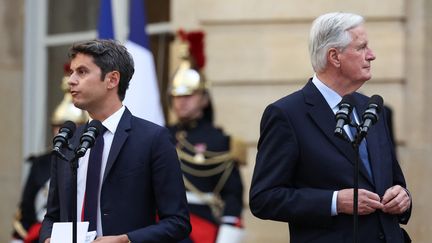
{"x": 142, "y": 97}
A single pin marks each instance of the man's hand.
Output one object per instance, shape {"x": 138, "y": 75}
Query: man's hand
{"x": 368, "y": 202}
{"x": 113, "y": 239}
{"x": 396, "y": 200}
{"x": 48, "y": 240}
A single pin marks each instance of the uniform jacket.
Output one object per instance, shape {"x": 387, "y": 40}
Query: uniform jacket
{"x": 142, "y": 181}
{"x": 203, "y": 133}
{"x": 33, "y": 200}
{"x": 300, "y": 163}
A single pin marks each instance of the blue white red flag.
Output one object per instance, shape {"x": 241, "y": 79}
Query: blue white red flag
{"x": 142, "y": 97}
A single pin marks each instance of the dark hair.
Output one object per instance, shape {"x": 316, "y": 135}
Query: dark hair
{"x": 108, "y": 55}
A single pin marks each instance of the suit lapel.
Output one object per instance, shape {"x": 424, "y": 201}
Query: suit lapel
{"x": 374, "y": 156}
{"x": 120, "y": 136}
{"x": 372, "y": 139}
{"x": 324, "y": 118}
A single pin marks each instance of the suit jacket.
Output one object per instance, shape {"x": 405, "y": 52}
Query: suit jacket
{"x": 142, "y": 182}
{"x": 300, "y": 163}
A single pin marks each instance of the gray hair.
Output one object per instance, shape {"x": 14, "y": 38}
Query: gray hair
{"x": 330, "y": 31}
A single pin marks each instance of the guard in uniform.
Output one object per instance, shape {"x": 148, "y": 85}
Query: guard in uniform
{"x": 32, "y": 208}
{"x": 209, "y": 158}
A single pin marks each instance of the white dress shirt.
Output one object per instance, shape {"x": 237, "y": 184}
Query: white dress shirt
{"x": 110, "y": 124}
{"x": 333, "y": 99}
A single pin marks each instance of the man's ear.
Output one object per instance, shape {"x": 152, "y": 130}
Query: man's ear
{"x": 333, "y": 57}
{"x": 112, "y": 79}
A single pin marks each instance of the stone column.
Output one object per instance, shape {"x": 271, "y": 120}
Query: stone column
{"x": 11, "y": 66}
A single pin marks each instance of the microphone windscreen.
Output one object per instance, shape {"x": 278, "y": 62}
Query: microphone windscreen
{"x": 97, "y": 125}
{"x": 378, "y": 101}
{"x": 69, "y": 125}
{"x": 347, "y": 99}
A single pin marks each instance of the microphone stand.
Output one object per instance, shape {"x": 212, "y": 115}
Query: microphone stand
{"x": 74, "y": 168}
{"x": 355, "y": 144}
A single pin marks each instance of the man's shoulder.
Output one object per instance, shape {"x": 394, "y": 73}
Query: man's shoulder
{"x": 290, "y": 98}
{"x": 145, "y": 125}
{"x": 289, "y": 103}
{"x": 295, "y": 103}
{"x": 295, "y": 98}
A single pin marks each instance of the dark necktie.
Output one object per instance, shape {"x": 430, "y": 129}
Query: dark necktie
{"x": 92, "y": 182}
{"x": 363, "y": 152}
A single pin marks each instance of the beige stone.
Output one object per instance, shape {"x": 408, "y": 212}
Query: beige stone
{"x": 257, "y": 53}
{"x": 251, "y": 53}
{"x": 283, "y": 10}
{"x": 10, "y": 147}
{"x": 11, "y": 24}
{"x": 393, "y": 95}
{"x": 239, "y": 108}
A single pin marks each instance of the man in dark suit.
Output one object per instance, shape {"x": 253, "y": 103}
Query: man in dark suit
{"x": 140, "y": 197}
{"x": 304, "y": 174}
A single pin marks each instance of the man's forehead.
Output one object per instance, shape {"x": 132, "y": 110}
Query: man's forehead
{"x": 81, "y": 59}
{"x": 358, "y": 34}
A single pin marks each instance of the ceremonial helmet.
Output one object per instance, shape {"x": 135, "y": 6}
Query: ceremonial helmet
{"x": 66, "y": 110}
{"x": 189, "y": 76}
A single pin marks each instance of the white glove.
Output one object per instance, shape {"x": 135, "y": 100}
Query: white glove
{"x": 230, "y": 234}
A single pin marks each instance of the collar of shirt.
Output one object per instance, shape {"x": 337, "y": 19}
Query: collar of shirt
{"x": 111, "y": 124}
{"x": 112, "y": 121}
{"x": 332, "y": 98}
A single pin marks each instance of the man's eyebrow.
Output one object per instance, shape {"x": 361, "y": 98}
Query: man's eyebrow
{"x": 81, "y": 66}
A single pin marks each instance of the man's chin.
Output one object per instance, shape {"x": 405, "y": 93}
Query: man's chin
{"x": 367, "y": 77}
{"x": 79, "y": 105}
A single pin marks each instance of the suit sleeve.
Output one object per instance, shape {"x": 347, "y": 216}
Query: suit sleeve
{"x": 274, "y": 194}
{"x": 398, "y": 178}
{"x": 169, "y": 193}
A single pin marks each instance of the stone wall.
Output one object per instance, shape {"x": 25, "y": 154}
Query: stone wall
{"x": 257, "y": 52}
{"x": 11, "y": 66}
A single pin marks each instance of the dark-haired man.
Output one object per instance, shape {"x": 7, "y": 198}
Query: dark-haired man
{"x": 140, "y": 197}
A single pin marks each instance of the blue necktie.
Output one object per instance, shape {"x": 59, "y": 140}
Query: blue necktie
{"x": 92, "y": 182}
{"x": 363, "y": 152}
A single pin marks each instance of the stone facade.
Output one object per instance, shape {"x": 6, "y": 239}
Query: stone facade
{"x": 257, "y": 53}
{"x": 11, "y": 66}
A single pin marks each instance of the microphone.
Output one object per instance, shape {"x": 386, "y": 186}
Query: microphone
{"x": 370, "y": 116}
{"x": 343, "y": 114}
{"x": 61, "y": 139}
{"x": 88, "y": 138}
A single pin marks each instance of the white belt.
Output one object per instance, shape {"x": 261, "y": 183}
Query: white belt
{"x": 201, "y": 199}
